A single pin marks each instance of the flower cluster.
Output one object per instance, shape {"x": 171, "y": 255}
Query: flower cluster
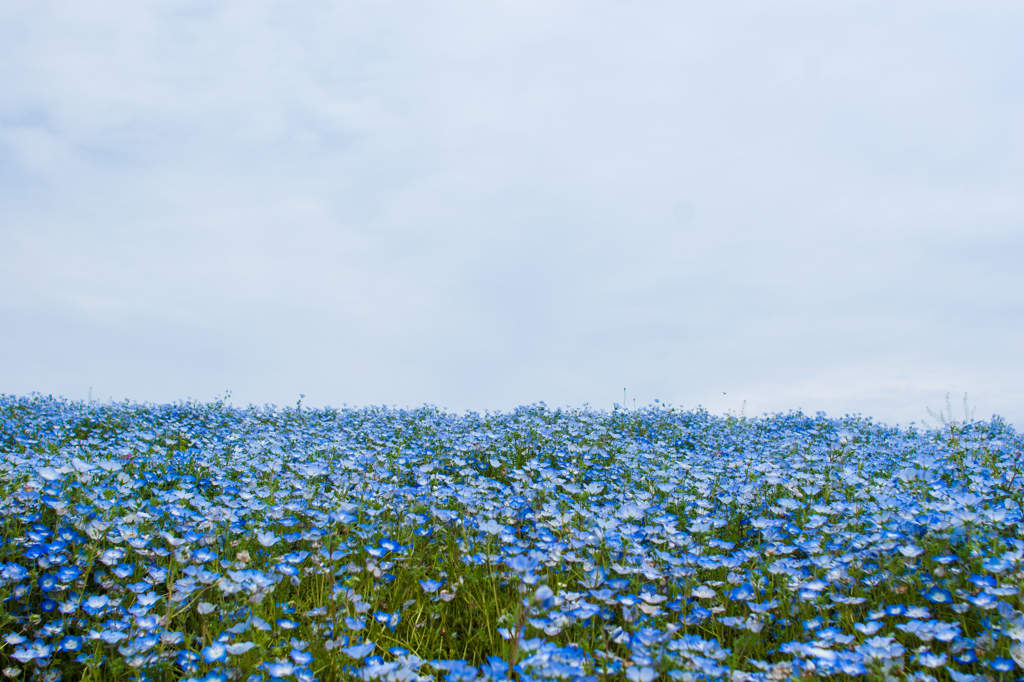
{"x": 206, "y": 542}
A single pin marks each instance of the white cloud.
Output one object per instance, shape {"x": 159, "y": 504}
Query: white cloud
{"x": 483, "y": 205}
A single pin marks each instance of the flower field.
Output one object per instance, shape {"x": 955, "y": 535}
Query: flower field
{"x": 199, "y": 541}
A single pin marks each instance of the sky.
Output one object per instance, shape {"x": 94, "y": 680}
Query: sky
{"x": 753, "y": 207}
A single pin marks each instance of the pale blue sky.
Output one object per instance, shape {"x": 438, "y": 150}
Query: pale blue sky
{"x": 479, "y": 205}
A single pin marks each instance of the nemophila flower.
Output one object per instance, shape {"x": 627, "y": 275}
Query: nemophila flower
{"x": 341, "y": 516}
{"x": 911, "y": 551}
{"x": 172, "y": 638}
{"x": 389, "y": 620}
{"x": 628, "y": 599}
{"x": 302, "y": 658}
{"x": 146, "y": 642}
{"x": 881, "y": 648}
{"x": 123, "y": 571}
{"x": 187, "y": 660}
{"x": 14, "y": 572}
{"x": 359, "y": 651}
{"x": 814, "y": 623}
{"x": 52, "y": 629}
{"x": 545, "y": 597}
{"x": 267, "y": 538}
{"x": 139, "y": 587}
{"x": 429, "y": 586}
{"x": 702, "y": 592}
{"x": 286, "y": 624}
{"x": 391, "y": 545}
{"x": 238, "y": 648}
{"x": 984, "y": 600}
{"x": 96, "y": 604}
{"x": 763, "y": 607}
{"x": 1017, "y": 653}
{"x": 742, "y": 593}
{"x": 492, "y": 527}
{"x": 869, "y": 628}
{"x": 997, "y": 565}
{"x": 112, "y": 636}
{"x": 70, "y": 643}
{"x": 1003, "y": 665}
{"x": 522, "y": 564}
{"x": 983, "y": 581}
{"x": 938, "y": 595}
{"x": 67, "y": 574}
{"x": 148, "y": 599}
{"x": 376, "y": 552}
{"x": 931, "y": 660}
{"x": 147, "y": 622}
{"x": 111, "y": 556}
{"x": 215, "y": 653}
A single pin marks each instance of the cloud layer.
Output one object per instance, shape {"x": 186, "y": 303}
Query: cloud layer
{"x": 481, "y": 205}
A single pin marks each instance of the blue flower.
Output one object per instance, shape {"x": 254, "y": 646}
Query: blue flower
{"x": 15, "y": 572}
{"x": 390, "y": 620}
{"x": 66, "y": 574}
{"x": 280, "y": 669}
{"x": 239, "y": 648}
{"x": 148, "y": 599}
{"x": 931, "y": 660}
{"x": 869, "y": 628}
{"x": 70, "y": 643}
{"x": 522, "y": 564}
{"x": 215, "y": 653}
{"x": 430, "y": 586}
{"x": 267, "y": 539}
{"x": 1003, "y": 665}
{"x": 390, "y": 545}
{"x": 644, "y": 674}
{"x": 112, "y": 636}
{"x": 124, "y": 570}
{"x": 742, "y": 593}
{"x": 938, "y": 595}
{"x": 359, "y": 651}
{"x": 96, "y": 605}
{"x": 149, "y": 622}
{"x": 983, "y": 600}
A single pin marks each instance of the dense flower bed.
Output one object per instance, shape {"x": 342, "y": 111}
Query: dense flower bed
{"x": 202, "y": 541}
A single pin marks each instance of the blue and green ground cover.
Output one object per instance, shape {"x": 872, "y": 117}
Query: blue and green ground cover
{"x": 200, "y": 541}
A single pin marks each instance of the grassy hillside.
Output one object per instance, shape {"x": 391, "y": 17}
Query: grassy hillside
{"x": 203, "y": 541}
